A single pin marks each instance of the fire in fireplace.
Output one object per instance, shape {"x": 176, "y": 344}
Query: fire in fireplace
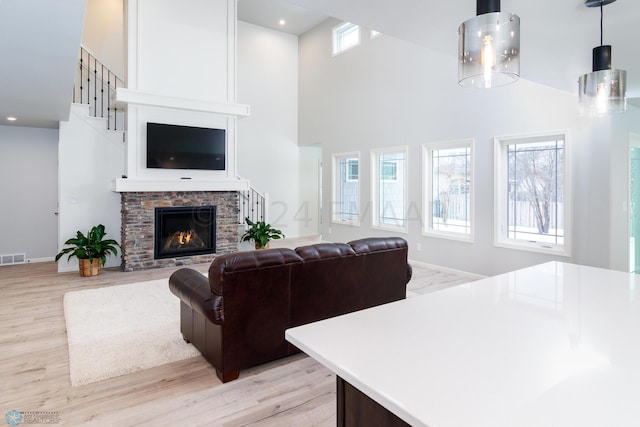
{"x": 184, "y": 231}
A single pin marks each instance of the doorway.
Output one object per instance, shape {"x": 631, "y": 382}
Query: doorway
{"x": 634, "y": 204}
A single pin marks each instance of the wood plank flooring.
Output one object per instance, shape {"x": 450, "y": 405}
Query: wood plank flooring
{"x": 34, "y": 367}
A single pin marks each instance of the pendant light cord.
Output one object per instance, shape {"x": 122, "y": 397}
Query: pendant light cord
{"x": 601, "y": 19}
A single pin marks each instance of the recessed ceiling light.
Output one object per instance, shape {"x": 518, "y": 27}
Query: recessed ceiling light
{"x": 283, "y": 22}
{"x": 12, "y": 119}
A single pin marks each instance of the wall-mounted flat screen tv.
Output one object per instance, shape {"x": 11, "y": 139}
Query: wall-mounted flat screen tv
{"x": 185, "y": 147}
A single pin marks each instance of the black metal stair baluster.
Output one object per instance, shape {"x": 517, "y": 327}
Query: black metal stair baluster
{"x": 95, "y": 87}
{"x": 102, "y": 91}
{"x": 115, "y": 109}
{"x": 81, "y": 63}
{"x": 88, "y": 78}
{"x": 109, "y": 100}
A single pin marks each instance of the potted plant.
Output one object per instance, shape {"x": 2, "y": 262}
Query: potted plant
{"x": 91, "y": 250}
{"x": 261, "y": 233}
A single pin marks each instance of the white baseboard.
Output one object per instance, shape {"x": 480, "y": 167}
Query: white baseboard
{"x": 48, "y": 259}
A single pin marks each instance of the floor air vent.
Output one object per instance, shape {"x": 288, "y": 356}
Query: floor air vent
{"x": 11, "y": 259}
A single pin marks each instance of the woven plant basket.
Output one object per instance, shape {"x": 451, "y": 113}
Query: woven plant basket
{"x": 88, "y": 268}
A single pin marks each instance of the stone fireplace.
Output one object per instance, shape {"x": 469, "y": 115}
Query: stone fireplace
{"x": 193, "y": 226}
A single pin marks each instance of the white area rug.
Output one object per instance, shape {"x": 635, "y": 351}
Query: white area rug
{"x": 117, "y": 330}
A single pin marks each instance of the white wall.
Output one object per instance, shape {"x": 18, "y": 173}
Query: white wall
{"x": 181, "y": 62}
{"x": 89, "y": 159}
{"x": 29, "y": 192}
{"x": 387, "y": 92}
{"x": 268, "y": 152}
{"x": 103, "y": 33}
{"x": 181, "y": 48}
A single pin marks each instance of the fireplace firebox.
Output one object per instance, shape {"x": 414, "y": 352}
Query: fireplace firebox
{"x": 184, "y": 231}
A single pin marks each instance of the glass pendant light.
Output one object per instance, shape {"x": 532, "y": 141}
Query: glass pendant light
{"x": 604, "y": 90}
{"x": 489, "y": 47}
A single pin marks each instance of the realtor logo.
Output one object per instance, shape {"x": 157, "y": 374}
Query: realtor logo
{"x": 13, "y": 418}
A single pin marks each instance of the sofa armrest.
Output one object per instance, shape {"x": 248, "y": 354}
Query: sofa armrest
{"x": 193, "y": 289}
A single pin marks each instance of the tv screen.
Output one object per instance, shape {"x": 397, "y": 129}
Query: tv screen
{"x": 185, "y": 147}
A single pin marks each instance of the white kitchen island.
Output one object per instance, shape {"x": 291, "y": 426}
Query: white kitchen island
{"x": 551, "y": 345}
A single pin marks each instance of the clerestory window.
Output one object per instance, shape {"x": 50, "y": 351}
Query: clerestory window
{"x": 345, "y": 36}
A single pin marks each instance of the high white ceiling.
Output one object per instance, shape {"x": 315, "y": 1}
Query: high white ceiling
{"x": 39, "y": 48}
{"x": 268, "y": 13}
{"x": 39, "y": 40}
{"x": 557, "y": 37}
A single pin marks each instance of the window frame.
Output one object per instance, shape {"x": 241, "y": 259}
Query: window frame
{"x": 427, "y": 191}
{"x": 500, "y": 194}
{"x": 337, "y": 36}
{"x": 376, "y": 180}
{"x": 336, "y": 196}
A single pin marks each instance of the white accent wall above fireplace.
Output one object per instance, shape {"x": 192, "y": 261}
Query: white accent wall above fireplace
{"x": 181, "y": 70}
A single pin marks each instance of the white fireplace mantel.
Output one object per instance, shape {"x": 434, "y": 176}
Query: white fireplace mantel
{"x": 123, "y": 185}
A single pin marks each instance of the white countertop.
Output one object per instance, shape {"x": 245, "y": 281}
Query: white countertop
{"x": 552, "y": 345}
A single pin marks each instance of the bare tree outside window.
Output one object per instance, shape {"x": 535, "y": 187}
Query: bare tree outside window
{"x": 535, "y": 191}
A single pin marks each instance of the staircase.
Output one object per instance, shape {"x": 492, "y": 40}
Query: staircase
{"x": 96, "y": 86}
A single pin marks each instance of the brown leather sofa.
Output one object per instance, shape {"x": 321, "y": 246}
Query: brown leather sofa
{"x": 237, "y": 317}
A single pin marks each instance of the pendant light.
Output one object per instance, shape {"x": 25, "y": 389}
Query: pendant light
{"x": 604, "y": 90}
{"x": 489, "y": 47}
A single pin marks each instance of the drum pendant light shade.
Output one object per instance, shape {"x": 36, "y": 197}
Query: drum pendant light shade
{"x": 489, "y": 47}
{"x": 603, "y": 91}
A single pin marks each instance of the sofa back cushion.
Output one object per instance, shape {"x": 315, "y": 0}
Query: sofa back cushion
{"x": 386, "y": 266}
{"x": 255, "y": 293}
{"x": 326, "y": 284}
{"x": 226, "y": 269}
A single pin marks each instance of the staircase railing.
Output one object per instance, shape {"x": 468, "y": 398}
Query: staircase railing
{"x": 96, "y": 85}
{"x": 253, "y": 205}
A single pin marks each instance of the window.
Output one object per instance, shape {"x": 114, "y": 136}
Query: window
{"x": 351, "y": 170}
{"x": 448, "y": 188}
{"x": 389, "y": 197}
{"x": 346, "y": 188}
{"x": 345, "y": 36}
{"x": 531, "y": 193}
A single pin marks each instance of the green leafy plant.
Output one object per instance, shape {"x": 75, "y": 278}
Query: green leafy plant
{"x": 91, "y": 246}
{"x": 261, "y": 233}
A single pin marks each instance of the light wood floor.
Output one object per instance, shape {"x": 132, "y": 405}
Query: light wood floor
{"x": 34, "y": 364}
{"x": 34, "y": 367}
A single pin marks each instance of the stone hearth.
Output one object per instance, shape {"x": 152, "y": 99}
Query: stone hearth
{"x": 138, "y": 216}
